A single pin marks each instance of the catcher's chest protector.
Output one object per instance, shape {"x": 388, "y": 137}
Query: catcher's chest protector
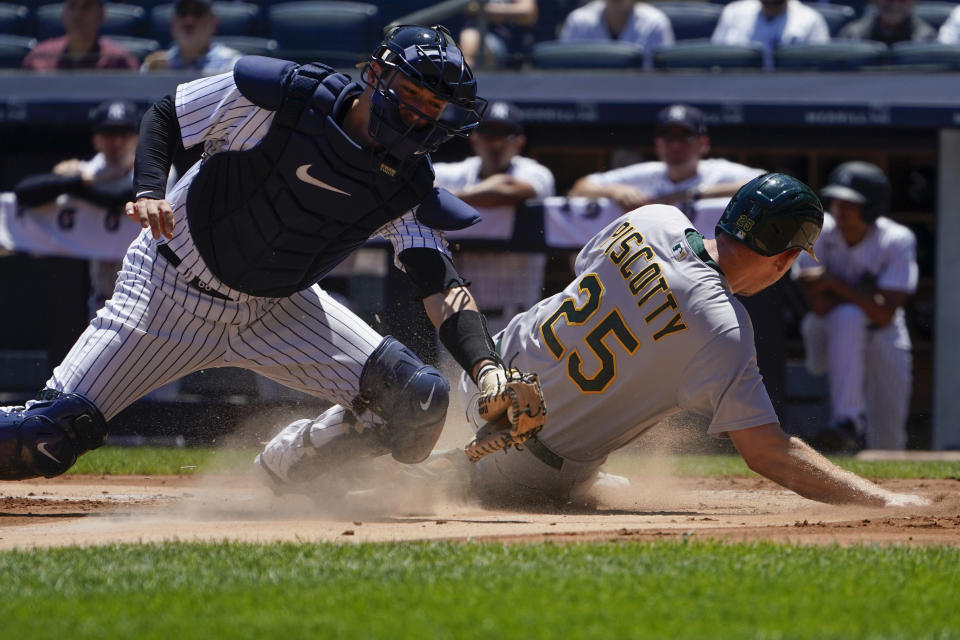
{"x": 274, "y": 219}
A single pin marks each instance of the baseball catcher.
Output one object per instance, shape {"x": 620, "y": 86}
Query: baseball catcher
{"x": 511, "y": 406}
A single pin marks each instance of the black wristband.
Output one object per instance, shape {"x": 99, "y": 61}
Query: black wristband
{"x": 466, "y": 337}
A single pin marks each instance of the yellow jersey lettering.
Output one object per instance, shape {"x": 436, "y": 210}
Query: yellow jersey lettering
{"x": 671, "y": 303}
{"x": 674, "y": 325}
{"x": 646, "y": 252}
{"x": 620, "y": 231}
{"x": 625, "y": 245}
{"x": 661, "y": 285}
{"x": 643, "y": 279}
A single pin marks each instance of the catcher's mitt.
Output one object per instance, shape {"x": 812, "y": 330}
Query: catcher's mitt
{"x": 512, "y": 408}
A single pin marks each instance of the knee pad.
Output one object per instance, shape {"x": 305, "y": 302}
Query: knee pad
{"x": 46, "y": 439}
{"x": 410, "y": 396}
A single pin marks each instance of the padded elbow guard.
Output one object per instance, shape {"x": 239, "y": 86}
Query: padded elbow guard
{"x": 46, "y": 439}
{"x": 411, "y": 397}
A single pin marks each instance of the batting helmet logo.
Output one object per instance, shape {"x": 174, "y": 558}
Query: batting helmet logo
{"x": 773, "y": 213}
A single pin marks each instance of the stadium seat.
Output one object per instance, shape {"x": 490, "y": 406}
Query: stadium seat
{"x": 691, "y": 19}
{"x": 13, "y": 49}
{"x": 550, "y": 17}
{"x": 839, "y": 55}
{"x": 13, "y": 19}
{"x": 586, "y": 55}
{"x": 393, "y": 9}
{"x": 236, "y": 19}
{"x": 836, "y": 15}
{"x": 138, "y": 47}
{"x": 703, "y": 55}
{"x": 930, "y": 56}
{"x": 338, "y": 33}
{"x": 251, "y": 45}
{"x": 935, "y": 13}
{"x": 120, "y": 20}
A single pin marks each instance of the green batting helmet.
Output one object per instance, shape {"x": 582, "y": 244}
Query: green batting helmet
{"x": 774, "y": 213}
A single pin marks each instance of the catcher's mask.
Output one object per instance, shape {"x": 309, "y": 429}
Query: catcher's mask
{"x": 774, "y": 213}
{"x": 428, "y": 57}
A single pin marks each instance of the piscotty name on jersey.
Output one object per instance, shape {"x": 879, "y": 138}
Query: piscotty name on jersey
{"x": 625, "y": 247}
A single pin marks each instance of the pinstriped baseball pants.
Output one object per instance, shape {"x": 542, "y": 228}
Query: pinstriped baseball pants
{"x": 156, "y": 328}
{"x": 869, "y": 374}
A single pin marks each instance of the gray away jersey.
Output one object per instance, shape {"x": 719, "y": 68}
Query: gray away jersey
{"x": 646, "y": 328}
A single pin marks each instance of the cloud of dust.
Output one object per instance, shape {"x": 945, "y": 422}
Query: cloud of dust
{"x": 369, "y": 489}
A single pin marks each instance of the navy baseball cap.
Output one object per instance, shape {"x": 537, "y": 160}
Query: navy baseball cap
{"x": 116, "y": 115}
{"x": 501, "y": 117}
{"x": 683, "y": 116}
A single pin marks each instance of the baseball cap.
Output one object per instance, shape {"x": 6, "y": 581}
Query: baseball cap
{"x": 116, "y": 114}
{"x": 201, "y": 7}
{"x": 501, "y": 117}
{"x": 684, "y": 116}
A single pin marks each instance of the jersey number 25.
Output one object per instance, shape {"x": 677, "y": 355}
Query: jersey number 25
{"x": 611, "y": 323}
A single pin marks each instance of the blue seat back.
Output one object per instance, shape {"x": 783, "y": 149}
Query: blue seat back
{"x": 13, "y": 49}
{"x": 839, "y": 55}
{"x": 13, "y": 19}
{"x": 555, "y": 54}
{"x": 119, "y": 20}
{"x": 703, "y": 55}
{"x": 691, "y": 19}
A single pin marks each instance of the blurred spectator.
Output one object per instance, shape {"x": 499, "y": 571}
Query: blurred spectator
{"x": 621, "y": 20}
{"x": 950, "y": 29}
{"x": 682, "y": 174}
{"x": 192, "y": 28}
{"x": 82, "y": 47}
{"x": 508, "y": 26}
{"x": 856, "y": 331}
{"x": 772, "y": 23}
{"x": 495, "y": 181}
{"x": 105, "y": 181}
{"x": 893, "y": 21}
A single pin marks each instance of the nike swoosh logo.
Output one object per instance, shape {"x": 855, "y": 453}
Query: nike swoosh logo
{"x": 42, "y": 448}
{"x": 141, "y": 193}
{"x": 426, "y": 405}
{"x": 303, "y": 172}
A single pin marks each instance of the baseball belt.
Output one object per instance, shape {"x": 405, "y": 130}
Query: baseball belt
{"x": 543, "y": 454}
{"x": 196, "y": 283}
{"x": 537, "y": 448}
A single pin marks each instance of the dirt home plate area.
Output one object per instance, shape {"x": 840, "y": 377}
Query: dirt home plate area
{"x": 93, "y": 510}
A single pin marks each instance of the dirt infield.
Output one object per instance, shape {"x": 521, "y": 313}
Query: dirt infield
{"x": 88, "y": 510}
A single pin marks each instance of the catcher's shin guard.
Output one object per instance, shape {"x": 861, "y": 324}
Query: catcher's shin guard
{"x": 410, "y": 396}
{"x": 46, "y": 438}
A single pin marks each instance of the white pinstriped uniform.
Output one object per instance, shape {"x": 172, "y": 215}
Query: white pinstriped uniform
{"x": 651, "y": 179}
{"x": 502, "y": 282}
{"x": 156, "y": 328}
{"x": 870, "y": 369}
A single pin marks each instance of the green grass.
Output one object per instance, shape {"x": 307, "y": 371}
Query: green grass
{"x": 448, "y": 590}
{"x": 166, "y": 461}
{"x": 163, "y": 461}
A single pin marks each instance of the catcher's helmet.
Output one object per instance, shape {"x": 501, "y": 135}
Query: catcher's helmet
{"x": 863, "y": 183}
{"x": 429, "y": 57}
{"x": 773, "y": 213}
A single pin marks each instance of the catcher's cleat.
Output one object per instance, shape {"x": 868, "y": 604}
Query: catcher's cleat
{"x": 308, "y": 449}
